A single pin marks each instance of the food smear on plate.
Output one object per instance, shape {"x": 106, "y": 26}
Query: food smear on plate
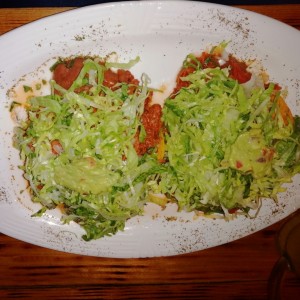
{"x": 98, "y": 148}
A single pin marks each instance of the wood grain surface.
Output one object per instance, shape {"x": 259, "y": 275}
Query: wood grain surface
{"x": 11, "y": 18}
{"x": 237, "y": 270}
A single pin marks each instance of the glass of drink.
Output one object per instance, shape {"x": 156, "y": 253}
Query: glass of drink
{"x": 288, "y": 244}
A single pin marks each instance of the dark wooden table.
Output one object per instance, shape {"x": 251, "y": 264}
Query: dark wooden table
{"x": 238, "y": 270}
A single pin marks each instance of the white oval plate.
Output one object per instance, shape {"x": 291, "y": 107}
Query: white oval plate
{"x": 162, "y": 34}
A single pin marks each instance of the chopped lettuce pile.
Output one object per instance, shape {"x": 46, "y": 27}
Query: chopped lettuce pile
{"x": 225, "y": 146}
{"x": 74, "y": 147}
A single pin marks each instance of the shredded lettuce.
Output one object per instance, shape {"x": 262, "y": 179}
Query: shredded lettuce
{"x": 90, "y": 179}
{"x": 224, "y": 147}
{"x": 226, "y": 150}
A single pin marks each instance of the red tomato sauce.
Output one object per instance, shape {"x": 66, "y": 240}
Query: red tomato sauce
{"x": 206, "y": 60}
{"x": 111, "y": 79}
{"x": 151, "y": 120}
{"x": 181, "y": 83}
{"x": 66, "y": 72}
{"x": 237, "y": 69}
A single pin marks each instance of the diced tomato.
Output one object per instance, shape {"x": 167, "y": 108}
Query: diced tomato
{"x": 268, "y": 153}
{"x": 40, "y": 186}
{"x": 238, "y": 70}
{"x": 233, "y": 210}
{"x": 31, "y": 147}
{"x": 66, "y": 72}
{"x": 208, "y": 60}
{"x": 238, "y": 164}
{"x": 84, "y": 88}
{"x": 111, "y": 79}
{"x": 56, "y": 147}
